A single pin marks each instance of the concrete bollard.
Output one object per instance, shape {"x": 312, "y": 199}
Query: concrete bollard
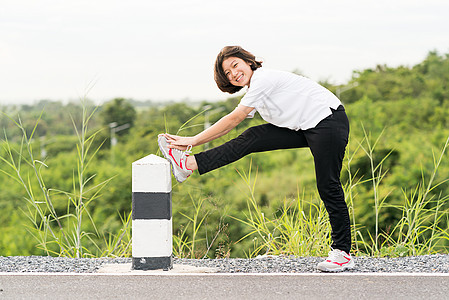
{"x": 151, "y": 214}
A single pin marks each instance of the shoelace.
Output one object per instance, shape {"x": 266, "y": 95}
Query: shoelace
{"x": 334, "y": 254}
{"x": 186, "y": 153}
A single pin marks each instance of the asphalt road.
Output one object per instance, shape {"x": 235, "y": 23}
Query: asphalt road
{"x": 216, "y": 286}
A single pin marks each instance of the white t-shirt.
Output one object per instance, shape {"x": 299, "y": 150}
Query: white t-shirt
{"x": 288, "y": 100}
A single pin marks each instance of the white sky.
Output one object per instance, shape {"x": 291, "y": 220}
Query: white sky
{"x": 165, "y": 50}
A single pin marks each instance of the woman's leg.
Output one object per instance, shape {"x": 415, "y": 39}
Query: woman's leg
{"x": 327, "y": 142}
{"x": 260, "y": 138}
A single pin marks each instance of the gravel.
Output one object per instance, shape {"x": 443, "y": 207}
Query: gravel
{"x": 50, "y": 264}
{"x": 438, "y": 263}
{"x": 271, "y": 264}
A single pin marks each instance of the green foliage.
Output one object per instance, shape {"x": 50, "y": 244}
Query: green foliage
{"x": 399, "y": 118}
{"x": 187, "y": 244}
{"x": 58, "y": 232}
{"x": 300, "y": 228}
{"x": 119, "y": 112}
{"x": 425, "y": 80}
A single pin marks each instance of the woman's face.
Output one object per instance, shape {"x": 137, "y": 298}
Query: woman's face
{"x": 237, "y": 71}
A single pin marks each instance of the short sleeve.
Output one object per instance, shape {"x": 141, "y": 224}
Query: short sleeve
{"x": 260, "y": 88}
{"x": 252, "y": 113}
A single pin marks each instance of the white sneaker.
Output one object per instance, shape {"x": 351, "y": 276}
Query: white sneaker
{"x": 177, "y": 159}
{"x": 337, "y": 261}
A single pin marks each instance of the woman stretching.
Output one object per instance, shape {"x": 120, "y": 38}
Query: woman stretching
{"x": 300, "y": 113}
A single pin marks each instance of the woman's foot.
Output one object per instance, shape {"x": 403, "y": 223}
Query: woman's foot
{"x": 177, "y": 159}
{"x": 337, "y": 261}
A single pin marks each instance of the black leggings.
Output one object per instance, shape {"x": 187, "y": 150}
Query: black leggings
{"x": 327, "y": 142}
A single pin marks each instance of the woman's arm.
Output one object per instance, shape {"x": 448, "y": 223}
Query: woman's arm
{"x": 220, "y": 128}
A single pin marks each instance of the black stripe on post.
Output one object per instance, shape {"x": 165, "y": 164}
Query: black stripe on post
{"x": 152, "y": 263}
{"x": 151, "y": 206}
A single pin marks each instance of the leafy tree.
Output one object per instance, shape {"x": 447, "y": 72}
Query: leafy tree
{"x": 383, "y": 83}
{"x": 119, "y": 111}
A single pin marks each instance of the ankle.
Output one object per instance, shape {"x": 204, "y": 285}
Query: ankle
{"x": 191, "y": 163}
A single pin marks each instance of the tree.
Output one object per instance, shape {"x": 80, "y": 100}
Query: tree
{"x": 119, "y": 111}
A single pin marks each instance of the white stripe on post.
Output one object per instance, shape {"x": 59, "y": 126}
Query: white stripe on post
{"x": 152, "y": 216}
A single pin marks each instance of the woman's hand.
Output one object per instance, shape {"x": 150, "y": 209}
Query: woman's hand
{"x": 179, "y": 142}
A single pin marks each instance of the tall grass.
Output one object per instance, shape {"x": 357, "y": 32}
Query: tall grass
{"x": 185, "y": 245}
{"x": 377, "y": 174}
{"x": 350, "y": 193}
{"x": 301, "y": 228}
{"x": 420, "y": 231}
{"x": 188, "y": 242}
{"x": 64, "y": 234}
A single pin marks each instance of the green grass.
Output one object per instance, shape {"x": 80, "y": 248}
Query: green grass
{"x": 301, "y": 227}
{"x": 298, "y": 227}
{"x": 73, "y": 232}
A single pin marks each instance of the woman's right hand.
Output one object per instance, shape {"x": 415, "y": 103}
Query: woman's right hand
{"x": 179, "y": 142}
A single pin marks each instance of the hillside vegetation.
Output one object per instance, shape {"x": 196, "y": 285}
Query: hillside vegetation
{"x": 395, "y": 175}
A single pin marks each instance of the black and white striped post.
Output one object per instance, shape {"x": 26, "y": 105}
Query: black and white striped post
{"x": 152, "y": 214}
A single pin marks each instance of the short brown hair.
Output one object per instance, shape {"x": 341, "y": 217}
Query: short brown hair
{"x": 232, "y": 51}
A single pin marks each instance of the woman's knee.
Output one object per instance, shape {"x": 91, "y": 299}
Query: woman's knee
{"x": 331, "y": 191}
